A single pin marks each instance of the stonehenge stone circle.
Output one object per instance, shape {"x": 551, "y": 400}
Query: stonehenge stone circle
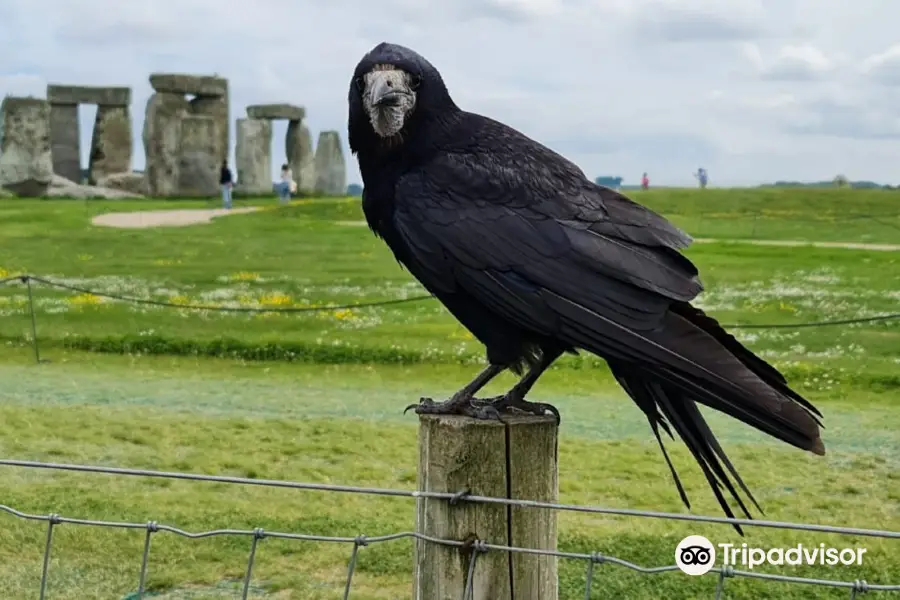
{"x": 298, "y": 149}
{"x": 185, "y": 135}
{"x": 26, "y": 160}
{"x": 185, "y": 141}
{"x": 253, "y": 156}
{"x": 111, "y": 143}
{"x": 331, "y": 169}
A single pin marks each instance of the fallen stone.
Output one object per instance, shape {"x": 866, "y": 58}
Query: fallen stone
{"x": 60, "y": 187}
{"x": 88, "y": 94}
{"x": 111, "y": 143}
{"x": 331, "y": 169}
{"x": 126, "y": 182}
{"x": 90, "y": 192}
{"x": 26, "y": 161}
{"x": 6, "y": 194}
{"x": 162, "y": 142}
{"x": 198, "y": 172}
{"x": 290, "y": 112}
{"x": 196, "y": 85}
{"x": 217, "y": 108}
{"x": 253, "y": 156}
{"x": 59, "y": 181}
{"x": 299, "y": 151}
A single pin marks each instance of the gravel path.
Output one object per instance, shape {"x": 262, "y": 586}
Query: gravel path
{"x": 180, "y": 218}
{"x": 794, "y": 243}
{"x": 165, "y": 218}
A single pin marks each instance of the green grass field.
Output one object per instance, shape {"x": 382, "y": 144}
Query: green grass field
{"x": 317, "y": 396}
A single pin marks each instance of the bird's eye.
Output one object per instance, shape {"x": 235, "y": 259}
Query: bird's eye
{"x": 414, "y": 81}
{"x": 360, "y": 83}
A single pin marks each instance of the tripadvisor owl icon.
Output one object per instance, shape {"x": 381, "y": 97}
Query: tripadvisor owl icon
{"x": 695, "y": 555}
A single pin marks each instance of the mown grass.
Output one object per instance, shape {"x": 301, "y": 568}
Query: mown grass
{"x": 330, "y": 411}
{"x": 342, "y": 424}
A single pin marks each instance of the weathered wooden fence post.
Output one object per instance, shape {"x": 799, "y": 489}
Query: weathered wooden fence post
{"x": 516, "y": 458}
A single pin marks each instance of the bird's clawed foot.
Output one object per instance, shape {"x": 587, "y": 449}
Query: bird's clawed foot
{"x": 489, "y": 408}
{"x": 459, "y": 404}
{"x": 512, "y": 402}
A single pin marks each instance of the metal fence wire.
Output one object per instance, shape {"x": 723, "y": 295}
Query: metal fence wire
{"x": 28, "y": 279}
{"x": 477, "y": 547}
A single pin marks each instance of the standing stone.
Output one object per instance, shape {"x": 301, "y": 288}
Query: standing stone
{"x": 331, "y": 170}
{"x": 299, "y": 151}
{"x": 162, "y": 142}
{"x": 26, "y": 160}
{"x": 253, "y": 156}
{"x": 217, "y": 108}
{"x": 65, "y": 141}
{"x": 198, "y": 173}
{"x": 111, "y": 143}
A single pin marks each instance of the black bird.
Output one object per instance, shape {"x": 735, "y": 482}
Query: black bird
{"x": 536, "y": 261}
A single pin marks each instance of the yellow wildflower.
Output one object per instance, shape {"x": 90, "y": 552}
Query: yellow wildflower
{"x": 244, "y": 276}
{"x": 85, "y": 299}
{"x": 275, "y": 299}
{"x": 343, "y": 314}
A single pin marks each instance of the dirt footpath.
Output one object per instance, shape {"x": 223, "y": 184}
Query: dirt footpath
{"x": 165, "y": 218}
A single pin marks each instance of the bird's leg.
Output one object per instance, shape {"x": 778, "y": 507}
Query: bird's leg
{"x": 460, "y": 403}
{"x": 515, "y": 397}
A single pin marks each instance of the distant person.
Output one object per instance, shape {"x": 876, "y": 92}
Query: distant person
{"x": 702, "y": 177}
{"x": 286, "y": 185}
{"x": 226, "y": 181}
{"x": 645, "y": 181}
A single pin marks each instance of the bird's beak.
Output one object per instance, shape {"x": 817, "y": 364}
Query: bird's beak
{"x": 385, "y": 90}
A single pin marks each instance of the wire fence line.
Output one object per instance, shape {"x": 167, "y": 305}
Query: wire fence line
{"x": 27, "y": 280}
{"x": 477, "y": 547}
{"x": 214, "y": 308}
{"x": 24, "y": 278}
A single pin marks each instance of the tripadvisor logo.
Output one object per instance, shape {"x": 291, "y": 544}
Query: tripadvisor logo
{"x": 696, "y": 555}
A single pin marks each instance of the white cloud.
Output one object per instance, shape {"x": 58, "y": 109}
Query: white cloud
{"x": 792, "y": 62}
{"x": 618, "y": 86}
{"x": 884, "y": 66}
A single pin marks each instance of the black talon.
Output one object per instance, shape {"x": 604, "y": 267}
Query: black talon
{"x": 421, "y": 402}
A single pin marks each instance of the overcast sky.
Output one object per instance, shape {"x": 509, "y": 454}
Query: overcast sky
{"x": 752, "y": 90}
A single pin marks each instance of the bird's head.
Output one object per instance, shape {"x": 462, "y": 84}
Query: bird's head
{"x": 392, "y": 89}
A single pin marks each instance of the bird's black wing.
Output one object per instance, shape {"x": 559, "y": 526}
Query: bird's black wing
{"x": 482, "y": 221}
{"x": 558, "y": 256}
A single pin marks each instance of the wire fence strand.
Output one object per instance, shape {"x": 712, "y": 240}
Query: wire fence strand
{"x": 27, "y": 279}
{"x": 453, "y": 497}
{"x": 360, "y": 542}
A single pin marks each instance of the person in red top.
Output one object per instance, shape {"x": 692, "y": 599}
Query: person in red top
{"x": 645, "y": 181}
